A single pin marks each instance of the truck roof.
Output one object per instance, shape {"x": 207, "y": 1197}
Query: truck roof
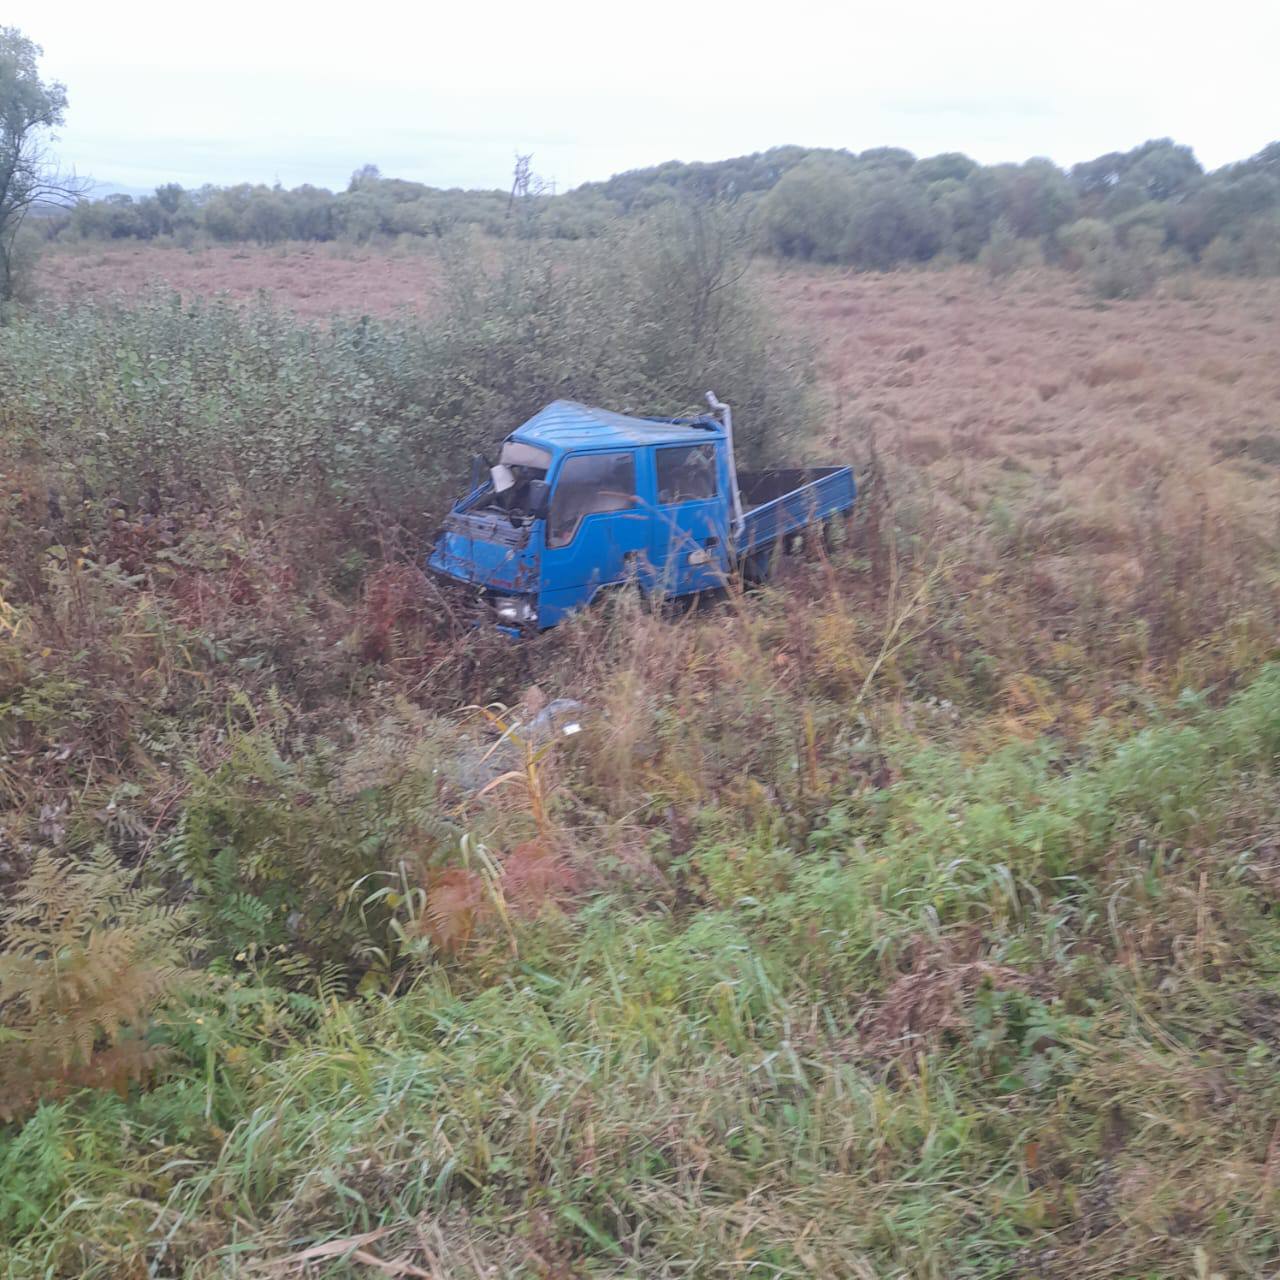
{"x": 566, "y": 424}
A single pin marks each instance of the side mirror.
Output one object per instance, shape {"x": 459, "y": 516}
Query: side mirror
{"x": 539, "y": 497}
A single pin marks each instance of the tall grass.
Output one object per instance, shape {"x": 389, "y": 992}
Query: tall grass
{"x": 995, "y": 1018}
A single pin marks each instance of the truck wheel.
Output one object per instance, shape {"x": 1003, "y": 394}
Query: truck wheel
{"x": 756, "y": 568}
{"x": 815, "y": 540}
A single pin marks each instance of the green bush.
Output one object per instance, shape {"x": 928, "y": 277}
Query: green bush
{"x": 1085, "y": 242}
{"x": 1114, "y": 269}
{"x": 807, "y": 214}
{"x": 1250, "y": 250}
{"x": 1004, "y": 253}
{"x": 890, "y": 221}
{"x": 1122, "y": 273}
{"x": 178, "y": 401}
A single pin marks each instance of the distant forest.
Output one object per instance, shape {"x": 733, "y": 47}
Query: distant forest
{"x": 1122, "y": 216}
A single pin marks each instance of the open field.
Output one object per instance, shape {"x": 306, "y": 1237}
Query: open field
{"x": 914, "y": 917}
{"x": 1041, "y": 419}
{"x": 1019, "y": 420}
{"x": 313, "y": 280}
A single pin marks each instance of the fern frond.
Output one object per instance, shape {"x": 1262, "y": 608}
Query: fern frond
{"x": 89, "y": 958}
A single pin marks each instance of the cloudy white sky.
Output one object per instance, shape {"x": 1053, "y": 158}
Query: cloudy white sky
{"x": 446, "y": 93}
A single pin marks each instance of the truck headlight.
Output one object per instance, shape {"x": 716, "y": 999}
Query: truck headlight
{"x": 513, "y": 609}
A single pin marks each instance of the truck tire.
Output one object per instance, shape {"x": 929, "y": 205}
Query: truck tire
{"x": 757, "y": 567}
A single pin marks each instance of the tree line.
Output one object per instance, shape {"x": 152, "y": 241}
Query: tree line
{"x": 1119, "y": 215}
{"x": 873, "y": 210}
{"x": 1122, "y": 216}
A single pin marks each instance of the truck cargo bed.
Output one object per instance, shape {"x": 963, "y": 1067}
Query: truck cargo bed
{"x": 785, "y": 500}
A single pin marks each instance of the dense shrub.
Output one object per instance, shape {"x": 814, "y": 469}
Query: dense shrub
{"x": 806, "y": 215}
{"x": 889, "y": 221}
{"x": 871, "y": 217}
{"x": 176, "y": 400}
{"x": 1005, "y": 253}
{"x": 1252, "y": 249}
{"x": 1113, "y": 269}
{"x": 1082, "y": 243}
{"x": 1122, "y": 273}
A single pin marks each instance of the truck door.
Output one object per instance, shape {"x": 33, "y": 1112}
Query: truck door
{"x": 690, "y": 526}
{"x": 597, "y": 532}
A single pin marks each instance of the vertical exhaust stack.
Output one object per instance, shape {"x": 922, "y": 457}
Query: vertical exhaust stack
{"x": 726, "y": 416}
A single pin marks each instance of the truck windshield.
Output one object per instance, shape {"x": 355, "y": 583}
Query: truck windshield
{"x": 525, "y": 463}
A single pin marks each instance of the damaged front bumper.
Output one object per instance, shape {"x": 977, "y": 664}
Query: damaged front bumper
{"x": 477, "y": 607}
{"x": 490, "y": 568}
{"x": 516, "y": 611}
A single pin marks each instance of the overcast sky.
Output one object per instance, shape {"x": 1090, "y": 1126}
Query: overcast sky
{"x": 231, "y": 91}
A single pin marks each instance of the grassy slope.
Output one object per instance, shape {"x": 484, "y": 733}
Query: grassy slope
{"x": 910, "y": 923}
{"x": 1006, "y": 1016}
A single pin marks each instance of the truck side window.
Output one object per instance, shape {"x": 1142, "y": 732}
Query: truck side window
{"x": 589, "y": 482}
{"x": 686, "y": 474}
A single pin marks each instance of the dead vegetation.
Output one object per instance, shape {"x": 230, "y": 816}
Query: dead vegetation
{"x": 311, "y": 279}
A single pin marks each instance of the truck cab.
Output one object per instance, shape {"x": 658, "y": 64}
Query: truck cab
{"x": 583, "y": 499}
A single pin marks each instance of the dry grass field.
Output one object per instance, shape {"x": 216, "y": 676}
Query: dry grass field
{"x": 1074, "y": 429}
{"x": 313, "y": 280}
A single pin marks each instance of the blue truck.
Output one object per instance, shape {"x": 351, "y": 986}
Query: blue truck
{"x": 581, "y": 500}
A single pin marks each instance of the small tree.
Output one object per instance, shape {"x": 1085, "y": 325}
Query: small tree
{"x": 1004, "y": 253}
{"x": 806, "y": 215}
{"x": 364, "y": 178}
{"x": 29, "y": 109}
{"x": 1085, "y": 243}
{"x": 889, "y": 221}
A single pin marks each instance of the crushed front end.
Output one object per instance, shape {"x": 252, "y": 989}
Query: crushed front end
{"x": 490, "y": 561}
